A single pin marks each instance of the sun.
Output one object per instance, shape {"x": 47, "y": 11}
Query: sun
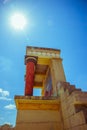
{"x": 18, "y": 21}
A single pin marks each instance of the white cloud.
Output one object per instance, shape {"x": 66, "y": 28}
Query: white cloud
{"x": 5, "y": 98}
{"x": 10, "y": 107}
{"x": 4, "y": 95}
{"x": 5, "y": 64}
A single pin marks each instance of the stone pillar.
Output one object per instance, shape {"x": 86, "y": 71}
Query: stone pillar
{"x": 30, "y": 69}
{"x": 57, "y": 73}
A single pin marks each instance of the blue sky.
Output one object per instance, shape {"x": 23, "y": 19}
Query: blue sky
{"x": 60, "y": 24}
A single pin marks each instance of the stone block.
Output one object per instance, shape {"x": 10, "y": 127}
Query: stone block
{"x": 78, "y": 119}
{"x": 67, "y": 124}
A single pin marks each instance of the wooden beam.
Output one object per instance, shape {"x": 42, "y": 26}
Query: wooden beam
{"x": 39, "y": 78}
{"x": 22, "y": 103}
{"x": 43, "y": 61}
{"x": 38, "y": 84}
{"x": 38, "y": 87}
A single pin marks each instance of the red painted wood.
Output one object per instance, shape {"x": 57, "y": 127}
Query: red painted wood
{"x": 29, "y": 80}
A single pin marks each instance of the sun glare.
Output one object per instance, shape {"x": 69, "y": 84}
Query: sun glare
{"x": 18, "y": 21}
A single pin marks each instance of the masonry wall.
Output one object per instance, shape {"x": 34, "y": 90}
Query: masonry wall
{"x": 38, "y": 120}
{"x": 73, "y": 107}
{"x": 72, "y": 114}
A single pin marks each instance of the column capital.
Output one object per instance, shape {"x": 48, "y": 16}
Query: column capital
{"x": 31, "y": 59}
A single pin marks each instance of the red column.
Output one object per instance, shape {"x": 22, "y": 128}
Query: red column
{"x": 29, "y": 80}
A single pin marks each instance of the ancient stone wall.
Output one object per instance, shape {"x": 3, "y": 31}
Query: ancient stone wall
{"x": 73, "y": 107}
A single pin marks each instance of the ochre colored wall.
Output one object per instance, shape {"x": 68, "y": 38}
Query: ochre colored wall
{"x": 39, "y": 126}
{"x": 38, "y": 120}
